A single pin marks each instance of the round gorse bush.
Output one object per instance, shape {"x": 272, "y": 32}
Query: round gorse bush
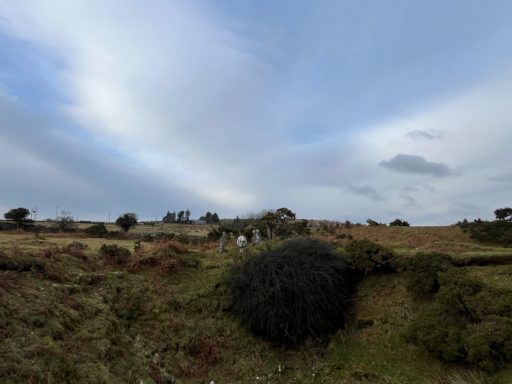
{"x": 298, "y": 290}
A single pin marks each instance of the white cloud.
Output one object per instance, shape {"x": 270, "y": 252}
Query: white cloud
{"x": 167, "y": 80}
{"x": 476, "y": 132}
{"x": 188, "y": 101}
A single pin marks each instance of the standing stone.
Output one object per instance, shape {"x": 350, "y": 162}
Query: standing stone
{"x": 222, "y": 244}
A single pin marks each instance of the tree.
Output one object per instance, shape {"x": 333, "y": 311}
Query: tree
{"x": 180, "y": 216}
{"x": 127, "y": 221}
{"x": 66, "y": 222}
{"x": 277, "y": 220}
{"x": 399, "y": 223}
{"x": 503, "y": 214}
{"x": 187, "y": 216}
{"x": 18, "y": 215}
{"x": 169, "y": 217}
{"x": 215, "y": 218}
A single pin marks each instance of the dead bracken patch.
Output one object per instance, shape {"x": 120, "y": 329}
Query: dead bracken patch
{"x": 206, "y": 351}
{"x": 166, "y": 257}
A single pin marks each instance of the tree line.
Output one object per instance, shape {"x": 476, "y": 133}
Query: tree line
{"x": 183, "y": 217}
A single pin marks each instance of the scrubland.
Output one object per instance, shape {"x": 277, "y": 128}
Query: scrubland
{"x": 74, "y": 312}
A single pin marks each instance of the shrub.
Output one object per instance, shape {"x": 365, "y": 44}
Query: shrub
{"x": 399, "y": 223}
{"x": 66, "y": 223}
{"x": 114, "y": 254}
{"x": 115, "y": 235}
{"x": 468, "y": 323}
{"x": 21, "y": 264}
{"x": 497, "y": 232}
{"x": 182, "y": 238}
{"x": 456, "y": 289}
{"x": 164, "y": 236}
{"x": 97, "y": 230}
{"x": 424, "y": 273}
{"x": 299, "y": 290}
{"x": 299, "y": 228}
{"x": 438, "y": 334}
{"x": 76, "y": 249}
{"x": 367, "y": 256}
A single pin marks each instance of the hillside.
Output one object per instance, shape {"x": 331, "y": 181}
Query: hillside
{"x": 70, "y": 314}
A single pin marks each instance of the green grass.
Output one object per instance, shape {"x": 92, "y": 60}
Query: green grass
{"x": 85, "y": 322}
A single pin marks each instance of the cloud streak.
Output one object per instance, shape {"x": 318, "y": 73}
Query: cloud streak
{"x": 424, "y": 135}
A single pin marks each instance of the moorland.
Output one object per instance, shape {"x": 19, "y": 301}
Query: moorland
{"x": 75, "y": 309}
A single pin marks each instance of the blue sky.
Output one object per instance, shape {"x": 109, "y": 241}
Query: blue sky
{"x": 335, "y": 109}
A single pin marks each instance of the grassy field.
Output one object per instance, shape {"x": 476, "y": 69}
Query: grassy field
{"x": 68, "y": 315}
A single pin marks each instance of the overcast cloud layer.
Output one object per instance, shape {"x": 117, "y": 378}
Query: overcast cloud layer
{"x": 337, "y": 110}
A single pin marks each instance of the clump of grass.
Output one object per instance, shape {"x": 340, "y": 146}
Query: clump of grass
{"x": 459, "y": 376}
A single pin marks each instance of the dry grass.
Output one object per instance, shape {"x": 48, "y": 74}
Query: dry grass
{"x": 113, "y": 325}
{"x": 443, "y": 375}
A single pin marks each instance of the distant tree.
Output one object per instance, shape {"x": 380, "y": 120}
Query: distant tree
{"x": 399, "y": 223}
{"x": 208, "y": 217}
{"x": 66, "y": 222}
{"x": 237, "y": 224}
{"x": 187, "y": 216}
{"x": 180, "y": 216}
{"x": 276, "y": 220}
{"x": 18, "y": 215}
{"x": 284, "y": 215}
{"x": 127, "y": 221}
{"x": 170, "y": 217}
{"x": 215, "y": 218}
{"x": 503, "y": 214}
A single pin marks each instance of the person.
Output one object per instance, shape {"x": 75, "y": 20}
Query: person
{"x": 222, "y": 244}
{"x": 241, "y": 242}
{"x": 256, "y": 237}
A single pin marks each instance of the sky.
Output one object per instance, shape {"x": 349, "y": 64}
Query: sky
{"x": 338, "y": 110}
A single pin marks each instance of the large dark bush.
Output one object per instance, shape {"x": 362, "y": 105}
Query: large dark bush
{"x": 299, "y": 290}
{"x": 367, "y": 256}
